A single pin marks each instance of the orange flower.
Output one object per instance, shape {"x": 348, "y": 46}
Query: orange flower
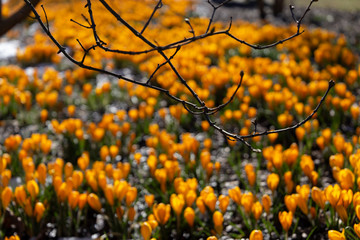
{"x": 223, "y": 203}
{"x": 285, "y": 219}
{"x": 357, "y": 229}
{"x": 266, "y": 201}
{"x": 145, "y": 230}
{"x": 318, "y": 196}
{"x": 235, "y": 195}
{"x": 149, "y": 199}
{"x": 290, "y": 202}
{"x": 33, "y": 188}
{"x": 273, "y": 181}
{"x": 218, "y": 220}
{"x": 333, "y": 194}
{"x": 39, "y": 211}
{"x": 189, "y": 215}
{"x": 256, "y": 210}
{"x": 94, "y": 202}
{"x": 335, "y": 235}
{"x": 177, "y": 203}
{"x": 162, "y": 213}
{"x": 256, "y": 235}
{"x": 6, "y": 196}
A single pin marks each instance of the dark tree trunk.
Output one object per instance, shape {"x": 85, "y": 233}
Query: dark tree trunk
{"x": 15, "y": 18}
{"x": 278, "y": 7}
{"x": 261, "y": 6}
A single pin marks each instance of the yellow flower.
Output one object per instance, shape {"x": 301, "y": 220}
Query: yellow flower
{"x": 256, "y": 235}
{"x": 94, "y": 202}
{"x": 6, "y": 196}
{"x": 256, "y": 210}
{"x": 189, "y": 215}
{"x": 145, "y": 230}
{"x": 162, "y": 213}
{"x": 285, "y": 219}
{"x": 218, "y": 220}
{"x": 149, "y": 199}
{"x": 33, "y": 188}
{"x": 177, "y": 203}
{"x": 200, "y": 204}
{"x": 223, "y": 202}
{"x": 357, "y": 229}
{"x": 318, "y": 196}
{"x": 235, "y": 195}
{"x": 273, "y": 181}
{"x": 39, "y": 211}
{"x": 290, "y": 203}
{"x": 333, "y": 194}
{"x": 131, "y": 195}
{"x": 346, "y": 178}
{"x": 335, "y": 235}
{"x": 266, "y": 201}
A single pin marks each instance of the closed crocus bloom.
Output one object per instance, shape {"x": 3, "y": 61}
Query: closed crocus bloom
{"x": 109, "y": 194}
{"x": 256, "y": 235}
{"x": 223, "y": 203}
{"x": 318, "y": 196}
{"x": 301, "y": 203}
{"x": 73, "y": 199}
{"x": 290, "y": 203}
{"x": 28, "y": 207}
{"x": 162, "y": 213}
{"x": 145, "y": 230}
{"x": 39, "y": 211}
{"x": 273, "y": 181}
{"x": 235, "y": 195}
{"x": 68, "y": 169}
{"x": 333, "y": 194}
{"x": 149, "y": 199}
{"x": 346, "y": 197}
{"x": 177, "y": 203}
{"x": 102, "y": 180}
{"x": 131, "y": 195}
{"x": 266, "y": 201}
{"x": 357, "y": 229}
{"x": 247, "y": 201}
{"x": 189, "y": 215}
{"x": 41, "y": 173}
{"x": 346, "y": 178}
{"x": 94, "y": 202}
{"x": 114, "y": 150}
{"x": 336, "y": 235}
{"x": 285, "y": 219}
{"x": 6, "y": 196}
{"x": 15, "y": 237}
{"x": 131, "y": 214}
{"x": 63, "y": 192}
{"x": 341, "y": 210}
{"x": 77, "y": 177}
{"x": 357, "y": 211}
{"x": 190, "y": 197}
{"x": 218, "y": 220}
{"x": 121, "y": 188}
{"x": 20, "y": 195}
{"x": 212, "y": 238}
{"x": 256, "y": 210}
{"x": 152, "y": 221}
{"x": 33, "y": 188}
{"x": 210, "y": 201}
{"x": 200, "y": 204}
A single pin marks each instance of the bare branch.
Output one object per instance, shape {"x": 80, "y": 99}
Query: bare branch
{"x": 158, "y": 6}
{"x": 197, "y": 108}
